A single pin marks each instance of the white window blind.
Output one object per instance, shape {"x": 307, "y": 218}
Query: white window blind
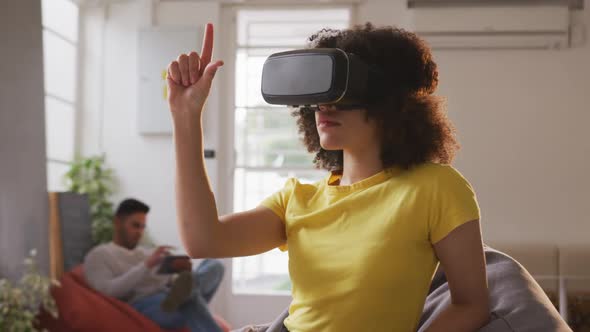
{"x": 268, "y": 148}
{"x": 60, "y": 54}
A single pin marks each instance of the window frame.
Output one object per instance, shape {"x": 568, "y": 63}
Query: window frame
{"x": 52, "y": 183}
{"x": 229, "y": 104}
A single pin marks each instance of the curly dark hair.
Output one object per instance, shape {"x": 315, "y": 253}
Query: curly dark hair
{"x": 414, "y": 127}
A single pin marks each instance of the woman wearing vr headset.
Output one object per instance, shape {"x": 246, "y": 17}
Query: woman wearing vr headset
{"x": 364, "y": 242}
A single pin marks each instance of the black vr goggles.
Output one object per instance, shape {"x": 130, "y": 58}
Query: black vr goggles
{"x": 319, "y": 76}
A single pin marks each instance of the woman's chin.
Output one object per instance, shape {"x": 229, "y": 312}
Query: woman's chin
{"x": 330, "y": 146}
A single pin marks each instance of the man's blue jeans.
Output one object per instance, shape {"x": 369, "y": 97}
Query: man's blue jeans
{"x": 194, "y": 313}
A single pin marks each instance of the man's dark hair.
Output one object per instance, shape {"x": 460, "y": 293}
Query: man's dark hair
{"x": 130, "y": 206}
{"x": 413, "y": 123}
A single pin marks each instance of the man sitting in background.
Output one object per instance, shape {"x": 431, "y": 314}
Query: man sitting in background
{"x": 128, "y": 272}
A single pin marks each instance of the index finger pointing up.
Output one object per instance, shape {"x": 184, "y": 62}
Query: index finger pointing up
{"x": 207, "y": 49}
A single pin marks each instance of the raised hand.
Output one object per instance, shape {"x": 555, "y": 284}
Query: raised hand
{"x": 189, "y": 80}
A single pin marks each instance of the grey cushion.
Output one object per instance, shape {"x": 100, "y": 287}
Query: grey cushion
{"x": 496, "y": 324}
{"x": 517, "y": 302}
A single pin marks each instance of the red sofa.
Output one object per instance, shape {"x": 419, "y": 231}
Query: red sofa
{"x": 82, "y": 309}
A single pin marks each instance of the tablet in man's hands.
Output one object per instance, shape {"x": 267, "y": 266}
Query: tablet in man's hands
{"x": 171, "y": 263}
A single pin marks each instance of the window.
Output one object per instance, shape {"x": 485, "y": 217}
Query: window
{"x": 60, "y": 54}
{"x": 268, "y": 149}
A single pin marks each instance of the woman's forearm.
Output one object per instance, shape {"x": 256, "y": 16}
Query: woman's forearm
{"x": 189, "y": 80}
{"x": 195, "y": 203}
{"x": 460, "y": 318}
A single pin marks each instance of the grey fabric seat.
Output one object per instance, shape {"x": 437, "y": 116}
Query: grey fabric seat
{"x": 517, "y": 302}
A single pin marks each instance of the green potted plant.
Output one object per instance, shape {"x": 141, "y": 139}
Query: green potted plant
{"x": 90, "y": 176}
{"x": 20, "y": 303}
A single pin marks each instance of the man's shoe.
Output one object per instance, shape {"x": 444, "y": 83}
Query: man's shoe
{"x": 179, "y": 292}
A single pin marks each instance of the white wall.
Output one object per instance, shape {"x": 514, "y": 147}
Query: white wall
{"x": 144, "y": 165}
{"x": 23, "y": 184}
{"x": 521, "y": 118}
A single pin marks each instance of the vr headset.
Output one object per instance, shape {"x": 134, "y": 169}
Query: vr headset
{"x": 319, "y": 76}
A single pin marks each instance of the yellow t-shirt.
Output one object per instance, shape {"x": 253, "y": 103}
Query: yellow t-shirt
{"x": 361, "y": 255}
